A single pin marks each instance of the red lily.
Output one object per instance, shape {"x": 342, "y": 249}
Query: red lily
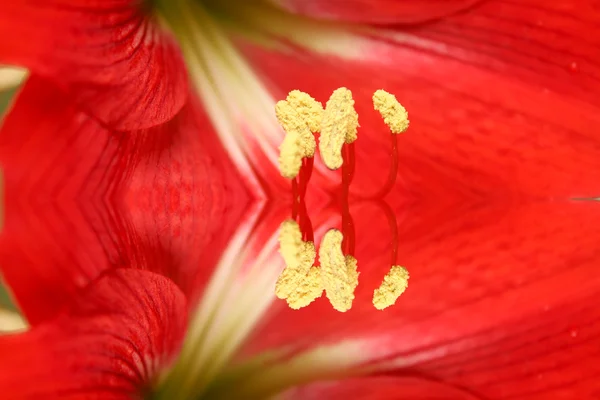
{"x": 502, "y": 105}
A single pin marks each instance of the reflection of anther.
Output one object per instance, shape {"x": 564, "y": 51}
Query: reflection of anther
{"x": 290, "y": 242}
{"x": 396, "y": 280}
{"x": 339, "y": 127}
{"x": 305, "y": 288}
{"x": 299, "y": 114}
{"x": 340, "y": 275}
{"x": 290, "y": 156}
{"x": 393, "y": 113}
{"x": 393, "y": 285}
{"x": 301, "y": 282}
{"x": 300, "y": 214}
{"x": 298, "y": 283}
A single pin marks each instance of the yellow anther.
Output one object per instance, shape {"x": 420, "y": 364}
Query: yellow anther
{"x": 309, "y": 110}
{"x": 339, "y": 126}
{"x": 298, "y": 283}
{"x": 393, "y": 285}
{"x": 294, "y": 123}
{"x": 295, "y": 270}
{"x": 340, "y": 276}
{"x": 286, "y": 282}
{"x": 309, "y": 288}
{"x": 298, "y": 115}
{"x": 307, "y": 257}
{"x": 290, "y": 242}
{"x": 393, "y": 113}
{"x": 290, "y": 156}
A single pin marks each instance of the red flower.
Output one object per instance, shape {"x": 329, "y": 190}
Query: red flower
{"x": 124, "y": 212}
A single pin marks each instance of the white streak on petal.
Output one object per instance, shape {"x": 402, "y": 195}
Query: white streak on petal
{"x": 326, "y": 362}
{"x": 228, "y": 266}
{"x": 339, "y": 39}
{"x": 11, "y": 77}
{"x": 230, "y": 89}
{"x": 11, "y": 322}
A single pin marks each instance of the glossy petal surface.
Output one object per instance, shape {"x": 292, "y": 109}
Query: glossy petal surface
{"x": 497, "y": 295}
{"x": 60, "y": 173}
{"x": 502, "y": 138}
{"x": 502, "y": 99}
{"x": 499, "y": 107}
{"x": 81, "y": 199}
{"x": 185, "y": 201}
{"x": 112, "y": 57}
{"x": 379, "y": 388}
{"x": 375, "y": 11}
{"x": 110, "y": 344}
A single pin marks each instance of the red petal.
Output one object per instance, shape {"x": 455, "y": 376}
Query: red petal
{"x": 376, "y": 11}
{"x": 378, "y": 388}
{"x": 110, "y": 344}
{"x": 186, "y": 202}
{"x": 70, "y": 211}
{"x": 499, "y": 107}
{"x": 502, "y": 287}
{"x": 59, "y": 231}
{"x": 110, "y": 56}
{"x": 501, "y": 299}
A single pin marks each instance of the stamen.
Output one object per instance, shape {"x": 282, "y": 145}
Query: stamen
{"x": 339, "y": 127}
{"x": 396, "y": 281}
{"x": 305, "y": 224}
{"x": 308, "y": 289}
{"x": 295, "y": 199}
{"x": 348, "y": 166}
{"x": 347, "y": 220}
{"x": 348, "y": 244}
{"x": 305, "y": 174}
{"x": 298, "y": 115}
{"x": 340, "y": 276}
{"x": 294, "y": 273}
{"x": 393, "y": 113}
{"x": 299, "y": 283}
{"x": 391, "y": 181}
{"x": 396, "y": 118}
{"x": 309, "y": 110}
{"x": 393, "y": 224}
{"x": 290, "y": 156}
{"x": 393, "y": 285}
{"x": 290, "y": 243}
